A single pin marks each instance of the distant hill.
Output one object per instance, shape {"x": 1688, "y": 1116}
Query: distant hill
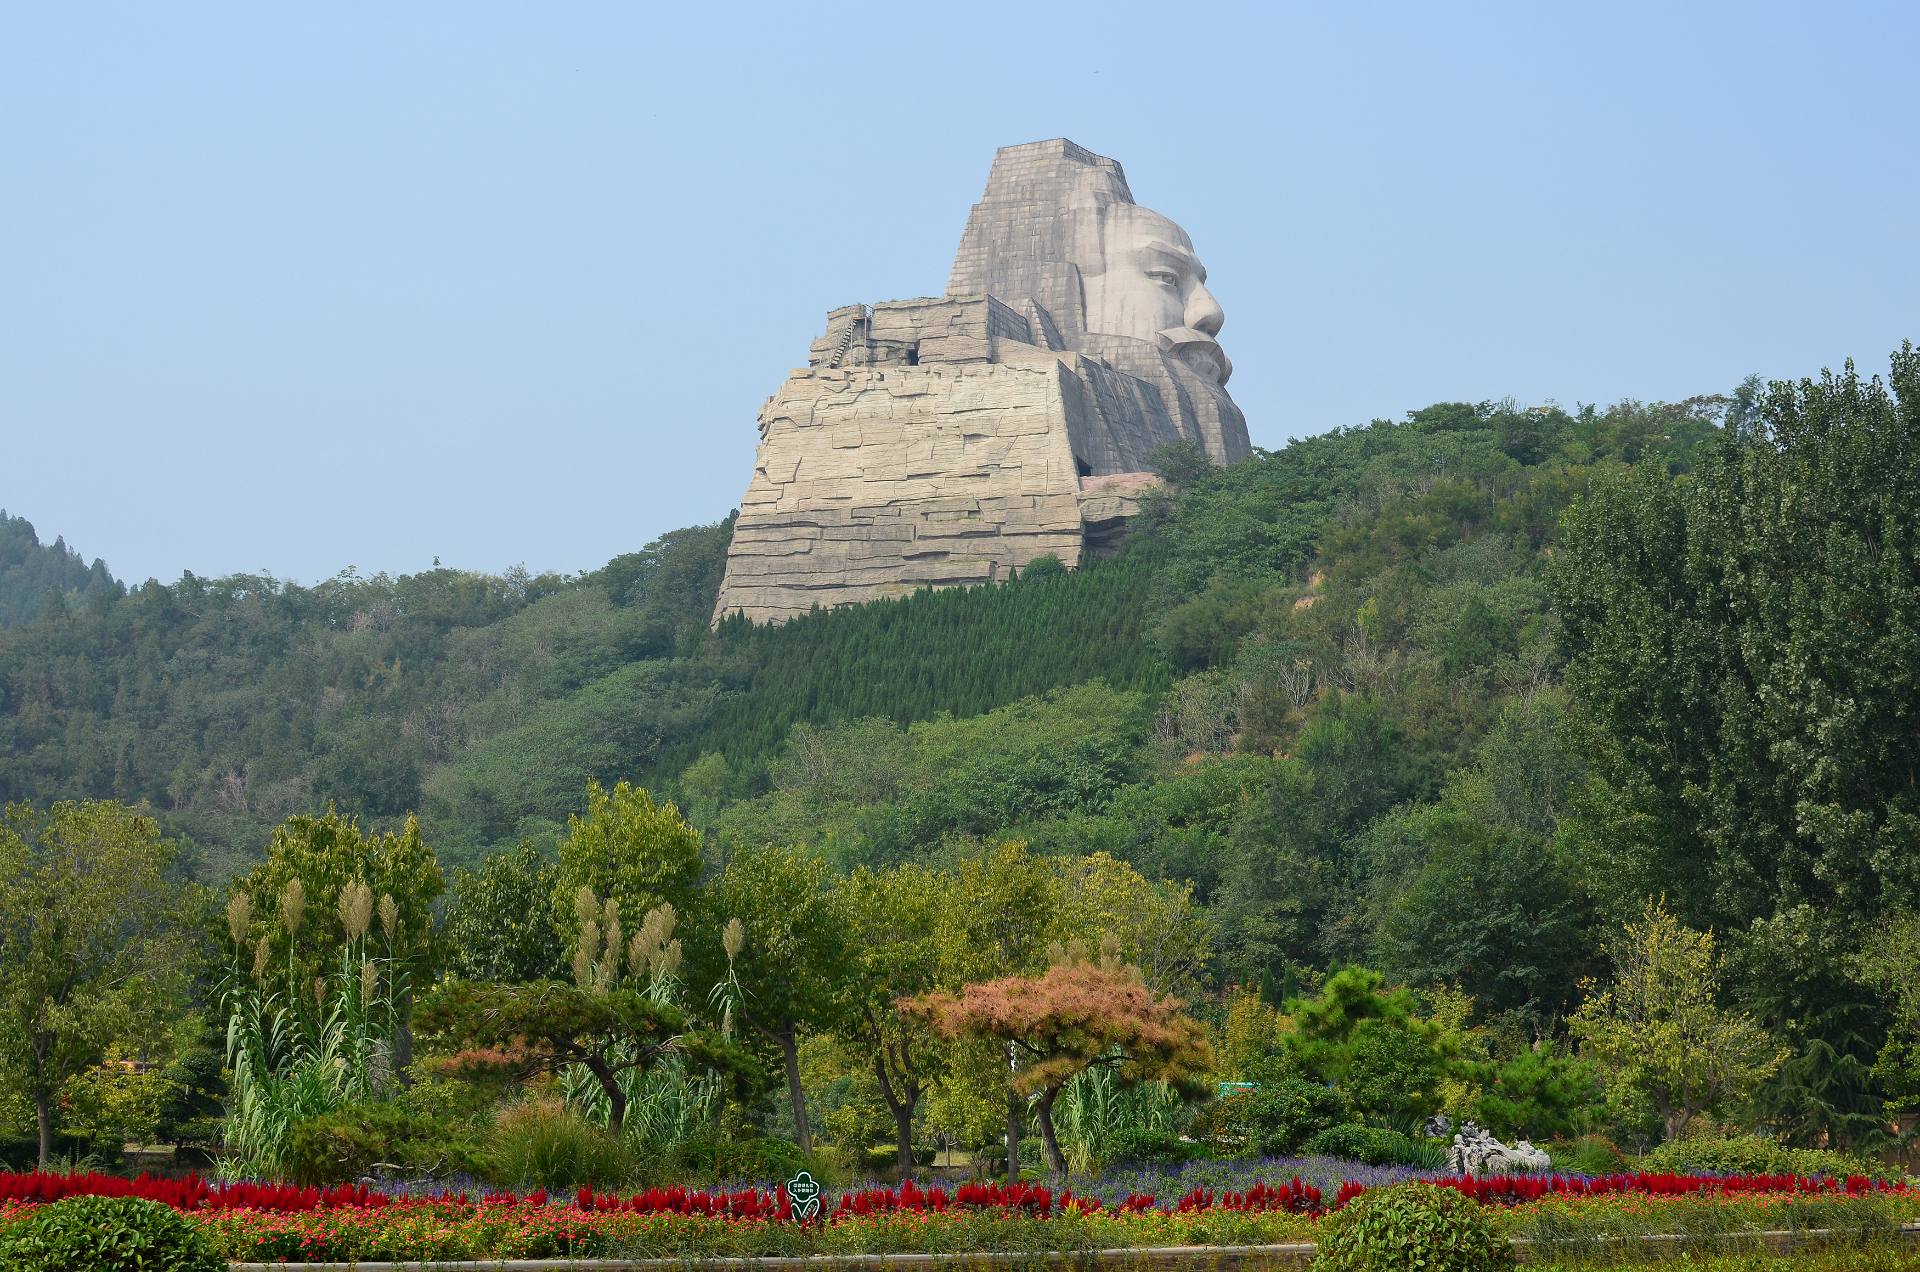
{"x": 1400, "y": 559}
{"x": 34, "y": 575}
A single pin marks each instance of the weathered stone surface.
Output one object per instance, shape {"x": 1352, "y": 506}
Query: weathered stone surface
{"x": 944, "y": 441}
{"x": 1058, "y": 224}
{"x": 1475, "y": 1152}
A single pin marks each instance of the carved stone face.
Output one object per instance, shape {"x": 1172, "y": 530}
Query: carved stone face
{"x": 1142, "y": 280}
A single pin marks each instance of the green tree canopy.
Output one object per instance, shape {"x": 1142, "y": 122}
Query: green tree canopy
{"x": 94, "y": 925}
{"x": 499, "y": 919}
{"x": 524, "y": 1030}
{"x": 627, "y": 850}
{"x": 794, "y": 955}
{"x": 322, "y": 855}
{"x": 1660, "y": 1031}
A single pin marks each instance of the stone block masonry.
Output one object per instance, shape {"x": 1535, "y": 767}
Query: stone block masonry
{"x": 948, "y": 441}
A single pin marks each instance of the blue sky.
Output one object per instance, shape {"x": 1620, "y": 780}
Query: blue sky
{"x": 500, "y": 284}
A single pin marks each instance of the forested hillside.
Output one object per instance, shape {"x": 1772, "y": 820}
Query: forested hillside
{"x": 35, "y": 577}
{"x": 487, "y": 702}
{"x": 1456, "y": 697}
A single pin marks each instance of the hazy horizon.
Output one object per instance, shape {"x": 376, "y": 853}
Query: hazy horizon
{"x": 292, "y": 293}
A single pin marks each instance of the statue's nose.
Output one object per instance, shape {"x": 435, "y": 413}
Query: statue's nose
{"x": 1203, "y": 311}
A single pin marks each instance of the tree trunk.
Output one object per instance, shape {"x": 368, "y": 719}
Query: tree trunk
{"x": 616, "y": 1098}
{"x": 1013, "y": 1120}
{"x": 403, "y": 1040}
{"x": 43, "y": 1113}
{"x": 1043, "y": 1114}
{"x": 796, "y": 1094}
{"x": 901, "y": 1106}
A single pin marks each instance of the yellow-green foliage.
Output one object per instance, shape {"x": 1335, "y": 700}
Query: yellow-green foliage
{"x": 1659, "y": 1027}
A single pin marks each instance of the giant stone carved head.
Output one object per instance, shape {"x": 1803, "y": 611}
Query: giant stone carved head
{"x": 1058, "y": 225}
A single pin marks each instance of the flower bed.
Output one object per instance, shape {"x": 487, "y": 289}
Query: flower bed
{"x": 266, "y": 1222}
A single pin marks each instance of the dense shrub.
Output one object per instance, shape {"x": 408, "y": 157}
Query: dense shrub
{"x": 1758, "y": 1155}
{"x": 753, "y": 1159}
{"x": 885, "y": 1157}
{"x": 1539, "y": 1093}
{"x": 22, "y": 1151}
{"x": 1370, "y": 1144}
{"x": 1150, "y": 1147}
{"x": 107, "y": 1234}
{"x": 355, "y": 1140}
{"x": 1411, "y": 1226}
{"x": 543, "y": 1144}
{"x": 1393, "y": 1073}
{"x": 992, "y": 1157}
{"x": 1284, "y": 1114}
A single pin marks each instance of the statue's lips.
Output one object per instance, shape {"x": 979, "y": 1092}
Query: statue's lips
{"x": 1198, "y": 352}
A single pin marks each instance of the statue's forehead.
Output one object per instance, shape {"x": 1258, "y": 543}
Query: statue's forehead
{"x": 1145, "y": 226}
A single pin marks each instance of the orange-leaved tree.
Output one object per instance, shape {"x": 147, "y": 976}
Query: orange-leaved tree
{"x": 1079, "y": 1014}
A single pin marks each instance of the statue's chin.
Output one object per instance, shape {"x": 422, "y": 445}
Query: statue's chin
{"x": 1198, "y": 352}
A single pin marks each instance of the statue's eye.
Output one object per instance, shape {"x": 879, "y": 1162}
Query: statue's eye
{"x": 1165, "y": 277}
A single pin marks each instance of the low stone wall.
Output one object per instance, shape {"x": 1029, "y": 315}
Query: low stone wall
{"x": 1297, "y": 1254}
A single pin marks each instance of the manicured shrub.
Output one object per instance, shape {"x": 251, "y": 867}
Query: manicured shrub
{"x": 203, "y": 1133}
{"x": 355, "y": 1140}
{"x": 106, "y": 1234}
{"x": 885, "y": 1157}
{"x": 1282, "y": 1115}
{"x": 541, "y": 1143}
{"x": 1370, "y": 1144}
{"x": 1150, "y": 1147}
{"x": 1758, "y": 1155}
{"x": 1411, "y": 1226}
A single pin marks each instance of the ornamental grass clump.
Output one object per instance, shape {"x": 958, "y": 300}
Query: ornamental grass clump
{"x": 1411, "y": 1226}
{"x": 541, "y": 1143}
{"x": 107, "y": 1234}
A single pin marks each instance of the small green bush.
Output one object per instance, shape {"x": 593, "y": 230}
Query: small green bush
{"x": 541, "y": 1143}
{"x": 106, "y": 1234}
{"x": 1370, "y": 1144}
{"x": 1411, "y": 1226}
{"x": 352, "y": 1141}
{"x": 1282, "y": 1115}
{"x": 1758, "y": 1155}
{"x": 1150, "y": 1147}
